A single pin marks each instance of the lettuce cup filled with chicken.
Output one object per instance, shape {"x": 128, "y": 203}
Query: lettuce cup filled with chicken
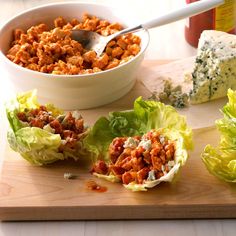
{"x": 43, "y": 134}
{"x": 141, "y": 147}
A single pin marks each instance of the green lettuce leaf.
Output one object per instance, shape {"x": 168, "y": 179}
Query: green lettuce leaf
{"x": 220, "y": 164}
{"x": 35, "y": 145}
{"x": 221, "y": 161}
{"x": 145, "y": 116}
{"x": 38, "y": 146}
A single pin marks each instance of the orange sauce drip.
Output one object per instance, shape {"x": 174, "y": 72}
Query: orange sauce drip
{"x": 92, "y": 185}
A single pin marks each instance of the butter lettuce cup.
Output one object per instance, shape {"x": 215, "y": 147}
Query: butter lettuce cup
{"x": 221, "y": 160}
{"x": 43, "y": 134}
{"x": 141, "y": 147}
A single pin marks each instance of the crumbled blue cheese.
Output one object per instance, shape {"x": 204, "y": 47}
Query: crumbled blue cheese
{"x": 130, "y": 143}
{"x": 172, "y": 95}
{"x": 76, "y": 115}
{"x": 49, "y": 128}
{"x": 151, "y": 175}
{"x": 170, "y": 164}
{"x": 146, "y": 144}
{"x": 69, "y": 176}
{"x": 178, "y": 99}
{"x": 215, "y": 66}
{"x": 162, "y": 139}
{"x": 63, "y": 142}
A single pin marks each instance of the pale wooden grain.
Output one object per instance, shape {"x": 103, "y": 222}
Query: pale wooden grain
{"x": 40, "y": 193}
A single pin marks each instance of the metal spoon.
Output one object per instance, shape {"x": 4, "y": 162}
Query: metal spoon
{"x": 94, "y": 41}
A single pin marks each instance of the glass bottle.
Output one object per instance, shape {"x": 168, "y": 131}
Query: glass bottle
{"x": 222, "y": 18}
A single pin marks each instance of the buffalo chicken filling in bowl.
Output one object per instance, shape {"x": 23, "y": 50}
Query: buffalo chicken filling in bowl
{"x": 138, "y": 159}
{"x": 54, "y": 51}
{"x": 69, "y": 126}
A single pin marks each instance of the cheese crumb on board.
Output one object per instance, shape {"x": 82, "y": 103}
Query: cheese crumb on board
{"x": 172, "y": 95}
{"x": 69, "y": 176}
{"x": 215, "y": 66}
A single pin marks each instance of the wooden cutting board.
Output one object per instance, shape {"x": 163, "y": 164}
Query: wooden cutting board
{"x": 41, "y": 193}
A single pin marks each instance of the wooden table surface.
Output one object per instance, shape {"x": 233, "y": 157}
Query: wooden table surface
{"x": 167, "y": 42}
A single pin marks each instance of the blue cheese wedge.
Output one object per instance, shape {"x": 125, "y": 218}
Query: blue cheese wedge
{"x": 215, "y": 66}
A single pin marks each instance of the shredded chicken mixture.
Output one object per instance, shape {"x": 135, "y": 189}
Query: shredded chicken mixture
{"x": 53, "y": 51}
{"x": 70, "y": 126}
{"x": 138, "y": 159}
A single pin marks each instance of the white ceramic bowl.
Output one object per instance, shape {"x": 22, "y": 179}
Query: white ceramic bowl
{"x": 72, "y": 91}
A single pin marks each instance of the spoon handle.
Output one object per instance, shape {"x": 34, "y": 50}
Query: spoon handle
{"x": 186, "y": 11}
{"x": 175, "y": 15}
{"x": 125, "y": 31}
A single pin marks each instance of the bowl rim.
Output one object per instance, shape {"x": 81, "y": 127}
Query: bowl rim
{"x": 63, "y": 76}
